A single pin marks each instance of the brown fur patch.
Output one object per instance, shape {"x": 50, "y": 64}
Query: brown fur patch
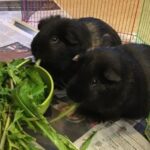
{"x": 96, "y": 41}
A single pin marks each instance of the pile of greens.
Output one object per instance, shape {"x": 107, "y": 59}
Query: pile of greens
{"x": 21, "y": 91}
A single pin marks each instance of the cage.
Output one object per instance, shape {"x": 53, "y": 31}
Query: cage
{"x": 130, "y": 18}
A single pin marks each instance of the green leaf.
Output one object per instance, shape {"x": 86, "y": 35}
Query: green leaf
{"x": 86, "y": 143}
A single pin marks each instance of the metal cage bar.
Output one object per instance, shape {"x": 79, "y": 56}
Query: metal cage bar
{"x": 123, "y": 15}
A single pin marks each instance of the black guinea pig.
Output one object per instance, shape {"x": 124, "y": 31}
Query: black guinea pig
{"x": 113, "y": 82}
{"x": 60, "y": 39}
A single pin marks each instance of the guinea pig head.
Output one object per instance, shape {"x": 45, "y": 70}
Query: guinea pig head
{"x": 58, "y": 41}
{"x": 98, "y": 81}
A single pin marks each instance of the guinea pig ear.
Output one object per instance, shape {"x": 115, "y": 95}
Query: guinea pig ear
{"x": 112, "y": 75}
{"x": 106, "y": 39}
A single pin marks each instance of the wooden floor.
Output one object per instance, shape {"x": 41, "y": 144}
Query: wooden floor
{"x": 123, "y": 15}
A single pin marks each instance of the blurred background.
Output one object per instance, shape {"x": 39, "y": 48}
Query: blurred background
{"x": 129, "y": 17}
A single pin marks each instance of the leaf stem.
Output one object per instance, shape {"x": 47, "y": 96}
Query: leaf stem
{"x": 21, "y": 64}
{"x": 3, "y": 139}
{"x": 37, "y": 63}
{"x": 71, "y": 109}
{"x": 55, "y": 138}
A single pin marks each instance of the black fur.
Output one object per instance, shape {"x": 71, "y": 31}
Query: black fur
{"x": 60, "y": 39}
{"x": 113, "y": 82}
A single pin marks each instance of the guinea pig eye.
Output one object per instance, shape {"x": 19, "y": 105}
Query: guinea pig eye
{"x": 93, "y": 82}
{"x": 54, "y": 39}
